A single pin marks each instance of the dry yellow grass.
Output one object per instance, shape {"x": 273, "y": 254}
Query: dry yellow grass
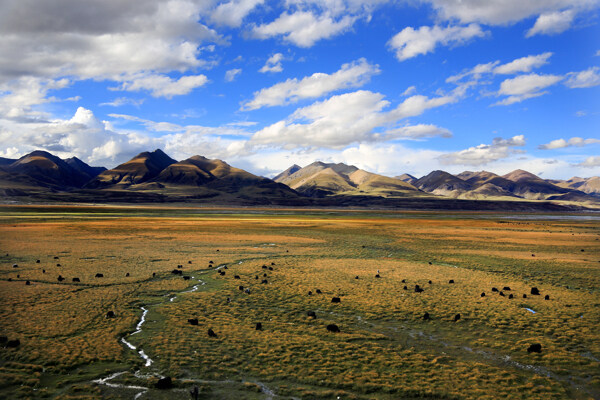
{"x": 384, "y": 350}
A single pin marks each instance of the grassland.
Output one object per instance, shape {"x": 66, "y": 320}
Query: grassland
{"x": 385, "y": 349}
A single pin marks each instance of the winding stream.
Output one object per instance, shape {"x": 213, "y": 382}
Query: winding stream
{"x": 413, "y": 334}
{"x": 141, "y": 390}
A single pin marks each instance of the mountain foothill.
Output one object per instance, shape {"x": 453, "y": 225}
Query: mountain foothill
{"x": 155, "y": 177}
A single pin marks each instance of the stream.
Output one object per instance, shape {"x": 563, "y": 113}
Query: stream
{"x": 141, "y": 390}
{"x": 413, "y": 335}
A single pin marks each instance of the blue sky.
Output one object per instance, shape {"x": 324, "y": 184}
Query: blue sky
{"x": 389, "y": 86}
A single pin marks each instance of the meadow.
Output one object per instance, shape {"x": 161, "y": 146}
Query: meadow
{"x": 293, "y": 262}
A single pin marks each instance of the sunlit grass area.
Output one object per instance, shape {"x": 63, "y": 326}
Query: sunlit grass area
{"x": 385, "y": 348}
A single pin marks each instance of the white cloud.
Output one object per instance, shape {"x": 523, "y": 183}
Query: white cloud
{"x": 82, "y": 135}
{"x": 123, "y": 101}
{"x": 273, "y": 64}
{"x": 419, "y": 131}
{"x": 303, "y": 28}
{"x": 231, "y": 74}
{"x": 523, "y": 64}
{"x": 101, "y": 39}
{"x": 382, "y": 158}
{"x": 169, "y": 127}
{"x": 163, "y": 85}
{"x": 232, "y": 13}
{"x": 350, "y": 75}
{"x": 348, "y": 118}
{"x": 409, "y": 90}
{"x": 562, "y": 143}
{"x": 525, "y": 87}
{"x": 502, "y": 12}
{"x": 584, "y": 79}
{"x": 484, "y": 153}
{"x": 242, "y": 123}
{"x": 590, "y": 162}
{"x": 19, "y": 97}
{"x": 552, "y": 23}
{"x": 410, "y": 43}
{"x": 475, "y": 73}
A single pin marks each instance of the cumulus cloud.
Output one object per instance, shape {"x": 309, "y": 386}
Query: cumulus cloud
{"x": 419, "y": 131}
{"x": 584, "y": 79}
{"x": 82, "y": 135}
{"x": 562, "y": 143}
{"x": 525, "y": 87}
{"x": 273, "y": 64}
{"x": 590, "y": 162}
{"x": 232, "y": 13}
{"x": 231, "y": 74}
{"x": 19, "y": 97}
{"x": 501, "y": 12}
{"x": 410, "y": 43}
{"x": 100, "y": 39}
{"x": 99, "y": 143}
{"x": 303, "y": 28}
{"x": 170, "y": 127}
{"x": 552, "y": 23}
{"x": 163, "y": 85}
{"x": 354, "y": 74}
{"x": 523, "y": 64}
{"x": 347, "y": 118}
{"x": 484, "y": 153}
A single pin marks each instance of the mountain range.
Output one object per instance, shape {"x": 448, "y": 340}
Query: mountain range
{"x": 155, "y": 177}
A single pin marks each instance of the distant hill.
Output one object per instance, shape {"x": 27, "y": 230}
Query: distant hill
{"x": 442, "y": 183}
{"x": 139, "y": 169}
{"x": 6, "y": 161}
{"x": 586, "y": 185}
{"x": 216, "y": 177}
{"x": 83, "y": 168}
{"x": 530, "y": 186}
{"x": 294, "y": 168}
{"x": 320, "y": 179}
{"x": 484, "y": 185}
{"x": 48, "y": 170}
{"x": 154, "y": 177}
{"x": 407, "y": 178}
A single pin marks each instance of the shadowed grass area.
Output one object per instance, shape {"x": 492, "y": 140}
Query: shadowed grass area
{"x": 385, "y": 349}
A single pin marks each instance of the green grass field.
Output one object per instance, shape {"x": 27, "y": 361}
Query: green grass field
{"x": 384, "y": 350}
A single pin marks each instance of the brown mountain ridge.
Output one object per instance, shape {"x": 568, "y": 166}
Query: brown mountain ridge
{"x": 156, "y": 177}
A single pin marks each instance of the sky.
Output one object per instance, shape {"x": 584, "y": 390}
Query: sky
{"x": 393, "y": 87}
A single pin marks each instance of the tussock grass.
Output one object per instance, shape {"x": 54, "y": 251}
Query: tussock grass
{"x": 384, "y": 350}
